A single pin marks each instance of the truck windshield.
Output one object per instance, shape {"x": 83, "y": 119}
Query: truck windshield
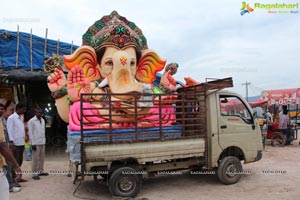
{"x": 233, "y": 106}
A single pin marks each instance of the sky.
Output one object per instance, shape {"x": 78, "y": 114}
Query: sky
{"x": 208, "y": 39}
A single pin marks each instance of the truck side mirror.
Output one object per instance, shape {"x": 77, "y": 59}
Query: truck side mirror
{"x": 224, "y": 100}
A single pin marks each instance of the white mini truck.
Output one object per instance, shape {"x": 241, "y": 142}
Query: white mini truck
{"x": 214, "y": 130}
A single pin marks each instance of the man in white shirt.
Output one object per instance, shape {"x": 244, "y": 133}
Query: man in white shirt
{"x": 283, "y": 120}
{"x": 283, "y": 125}
{"x": 36, "y": 129}
{"x": 16, "y": 133}
{"x": 269, "y": 117}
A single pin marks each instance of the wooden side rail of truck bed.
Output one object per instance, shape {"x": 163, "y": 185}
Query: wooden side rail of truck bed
{"x": 142, "y": 117}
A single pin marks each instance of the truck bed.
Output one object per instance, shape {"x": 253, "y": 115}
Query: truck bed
{"x": 101, "y": 137}
{"x": 105, "y": 141}
{"x": 99, "y": 155}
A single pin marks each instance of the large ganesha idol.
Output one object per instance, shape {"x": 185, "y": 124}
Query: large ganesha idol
{"x": 114, "y": 58}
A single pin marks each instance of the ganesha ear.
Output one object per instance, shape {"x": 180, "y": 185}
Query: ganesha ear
{"x": 149, "y": 64}
{"x": 85, "y": 56}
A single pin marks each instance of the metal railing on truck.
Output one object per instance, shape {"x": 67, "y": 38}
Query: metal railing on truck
{"x": 141, "y": 117}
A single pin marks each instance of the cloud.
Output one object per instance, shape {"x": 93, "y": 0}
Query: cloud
{"x": 207, "y": 39}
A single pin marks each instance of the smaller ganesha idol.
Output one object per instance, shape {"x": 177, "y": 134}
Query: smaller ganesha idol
{"x": 113, "y": 59}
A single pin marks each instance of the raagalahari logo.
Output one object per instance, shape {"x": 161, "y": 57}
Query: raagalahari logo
{"x": 246, "y": 8}
{"x": 272, "y": 8}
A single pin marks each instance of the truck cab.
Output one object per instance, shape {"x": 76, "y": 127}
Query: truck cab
{"x": 233, "y": 129}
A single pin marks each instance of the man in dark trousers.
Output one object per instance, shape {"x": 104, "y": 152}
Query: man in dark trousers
{"x": 16, "y": 132}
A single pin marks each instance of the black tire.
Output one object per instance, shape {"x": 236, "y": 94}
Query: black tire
{"x": 229, "y": 170}
{"x": 278, "y": 139}
{"x": 125, "y": 182}
{"x": 291, "y": 135}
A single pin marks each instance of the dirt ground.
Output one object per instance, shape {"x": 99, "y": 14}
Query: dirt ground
{"x": 276, "y": 176}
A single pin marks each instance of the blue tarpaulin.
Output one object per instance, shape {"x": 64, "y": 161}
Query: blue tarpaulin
{"x": 8, "y": 50}
{"x": 24, "y": 70}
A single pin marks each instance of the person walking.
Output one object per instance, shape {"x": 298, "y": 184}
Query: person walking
{"x": 27, "y": 143}
{"x": 36, "y": 130}
{"x": 283, "y": 125}
{"x": 269, "y": 117}
{"x": 16, "y": 133}
{"x": 12, "y": 185}
{"x": 6, "y": 154}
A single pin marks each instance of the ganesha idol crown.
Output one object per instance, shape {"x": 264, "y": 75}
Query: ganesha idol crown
{"x": 114, "y": 30}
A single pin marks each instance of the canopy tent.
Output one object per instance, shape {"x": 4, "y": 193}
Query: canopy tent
{"x": 22, "y": 75}
{"x": 22, "y": 54}
{"x": 281, "y": 96}
{"x": 259, "y": 102}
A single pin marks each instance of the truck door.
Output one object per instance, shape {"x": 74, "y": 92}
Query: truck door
{"x": 236, "y": 124}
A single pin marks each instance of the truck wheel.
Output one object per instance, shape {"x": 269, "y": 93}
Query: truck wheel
{"x": 229, "y": 170}
{"x": 291, "y": 135}
{"x": 278, "y": 139}
{"x": 124, "y": 182}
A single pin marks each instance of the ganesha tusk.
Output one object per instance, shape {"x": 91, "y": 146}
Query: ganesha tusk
{"x": 103, "y": 83}
{"x": 146, "y": 100}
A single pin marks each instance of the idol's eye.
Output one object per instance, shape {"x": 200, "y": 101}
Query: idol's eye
{"x": 132, "y": 63}
{"x": 109, "y": 63}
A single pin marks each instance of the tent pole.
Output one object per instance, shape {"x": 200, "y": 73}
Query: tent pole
{"x": 15, "y": 93}
{"x": 45, "y": 44}
{"x": 18, "y": 43}
{"x": 57, "y": 47}
{"x": 72, "y": 47}
{"x": 23, "y": 93}
{"x": 31, "y": 68}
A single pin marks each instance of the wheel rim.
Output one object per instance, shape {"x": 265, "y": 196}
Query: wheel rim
{"x": 278, "y": 140}
{"x": 231, "y": 170}
{"x": 126, "y": 184}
